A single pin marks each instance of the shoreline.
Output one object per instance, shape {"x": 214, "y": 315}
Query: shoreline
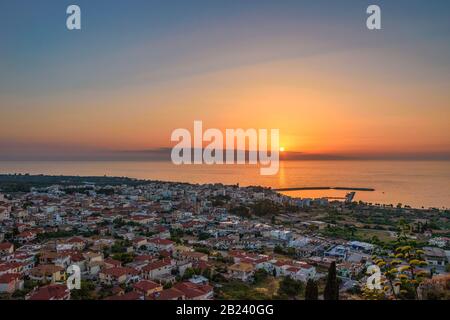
{"x": 35, "y": 180}
{"x": 324, "y": 188}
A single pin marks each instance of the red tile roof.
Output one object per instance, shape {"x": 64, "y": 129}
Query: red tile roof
{"x": 202, "y": 265}
{"x": 75, "y": 240}
{"x": 146, "y": 285}
{"x": 144, "y": 257}
{"x": 132, "y": 295}
{"x": 51, "y": 292}
{"x": 119, "y": 271}
{"x": 5, "y": 246}
{"x": 156, "y": 265}
{"x": 26, "y": 234}
{"x": 160, "y": 241}
{"x": 192, "y": 290}
{"x": 167, "y": 294}
{"x": 9, "y": 277}
{"x": 112, "y": 261}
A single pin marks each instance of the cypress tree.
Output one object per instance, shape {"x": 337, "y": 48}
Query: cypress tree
{"x": 311, "y": 291}
{"x": 332, "y": 288}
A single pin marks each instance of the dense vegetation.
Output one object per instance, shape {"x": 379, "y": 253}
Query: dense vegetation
{"x": 24, "y": 182}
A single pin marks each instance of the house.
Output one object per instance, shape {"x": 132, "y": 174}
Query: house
{"x": 77, "y": 243}
{"x": 56, "y": 258}
{"x": 11, "y": 267}
{"x": 176, "y": 253}
{"x": 323, "y": 262}
{"x": 361, "y": 246}
{"x": 77, "y": 258}
{"x": 93, "y": 268}
{"x": 297, "y": 270}
{"x": 145, "y": 258}
{"x": 140, "y": 219}
{"x": 167, "y": 294}
{"x": 338, "y": 252}
{"x": 138, "y": 265}
{"x": 435, "y": 256}
{"x": 281, "y": 235}
{"x": 158, "y": 244}
{"x": 26, "y": 236}
{"x": 50, "y": 292}
{"x": 193, "y": 256}
{"x": 10, "y": 282}
{"x": 439, "y": 242}
{"x": 242, "y": 271}
{"x": 110, "y": 263}
{"x": 94, "y": 262}
{"x": 157, "y": 270}
{"x": 162, "y": 232}
{"x": 48, "y": 273}
{"x": 259, "y": 261}
{"x": 194, "y": 291}
{"x": 117, "y": 275}
{"x": 21, "y": 227}
{"x": 93, "y": 256}
{"x": 24, "y": 262}
{"x": 6, "y": 248}
{"x": 202, "y": 265}
{"x": 147, "y": 287}
{"x": 182, "y": 266}
{"x": 4, "y": 213}
{"x": 139, "y": 242}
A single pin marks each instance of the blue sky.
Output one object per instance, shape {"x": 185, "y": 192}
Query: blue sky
{"x": 36, "y": 44}
{"x": 124, "y": 45}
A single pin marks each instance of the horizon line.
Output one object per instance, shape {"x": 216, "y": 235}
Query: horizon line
{"x": 163, "y": 154}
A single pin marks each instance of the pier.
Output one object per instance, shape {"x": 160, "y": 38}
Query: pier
{"x": 324, "y": 188}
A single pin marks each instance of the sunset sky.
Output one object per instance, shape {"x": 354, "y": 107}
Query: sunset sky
{"x": 139, "y": 69}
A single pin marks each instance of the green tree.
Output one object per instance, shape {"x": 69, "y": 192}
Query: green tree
{"x": 332, "y": 287}
{"x": 273, "y": 220}
{"x": 124, "y": 257}
{"x": 290, "y": 287}
{"x": 403, "y": 271}
{"x": 265, "y": 207}
{"x": 311, "y": 291}
{"x": 204, "y": 236}
{"x": 259, "y": 276}
{"x": 188, "y": 273}
{"x": 86, "y": 292}
{"x": 241, "y": 211}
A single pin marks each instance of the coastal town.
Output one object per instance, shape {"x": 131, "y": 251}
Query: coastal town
{"x": 178, "y": 241}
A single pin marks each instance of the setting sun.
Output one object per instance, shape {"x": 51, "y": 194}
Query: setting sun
{"x": 281, "y": 149}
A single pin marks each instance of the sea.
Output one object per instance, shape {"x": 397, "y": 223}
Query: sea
{"x": 414, "y": 183}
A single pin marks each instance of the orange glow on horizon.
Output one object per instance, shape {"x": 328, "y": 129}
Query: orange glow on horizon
{"x": 322, "y": 109}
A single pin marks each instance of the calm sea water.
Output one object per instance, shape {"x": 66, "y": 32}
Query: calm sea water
{"x": 415, "y": 183}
